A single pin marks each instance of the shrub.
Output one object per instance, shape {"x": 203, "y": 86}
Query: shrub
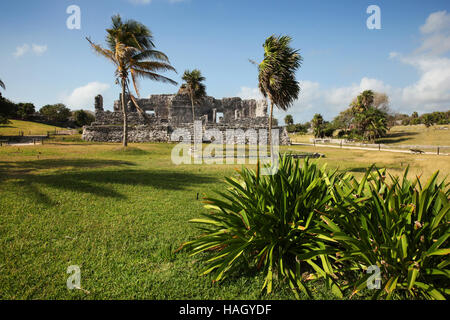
{"x": 271, "y": 223}
{"x": 401, "y": 227}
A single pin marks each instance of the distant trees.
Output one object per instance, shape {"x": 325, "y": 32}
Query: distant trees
{"x": 25, "y": 110}
{"x": 12, "y": 110}
{"x": 55, "y": 113}
{"x": 317, "y": 125}
{"x": 366, "y": 118}
{"x": 428, "y": 119}
{"x": 289, "y": 120}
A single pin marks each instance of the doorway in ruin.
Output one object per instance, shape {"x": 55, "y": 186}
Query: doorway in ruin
{"x": 219, "y": 117}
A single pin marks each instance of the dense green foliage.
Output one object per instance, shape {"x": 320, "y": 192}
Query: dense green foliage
{"x": 12, "y": 110}
{"x": 365, "y": 119}
{"x": 289, "y": 120}
{"x": 83, "y": 118}
{"x": 269, "y": 222}
{"x": 333, "y": 227}
{"x": 55, "y": 113}
{"x": 427, "y": 119}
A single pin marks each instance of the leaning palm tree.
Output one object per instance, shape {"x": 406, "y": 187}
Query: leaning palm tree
{"x": 130, "y": 48}
{"x": 194, "y": 87}
{"x": 277, "y": 75}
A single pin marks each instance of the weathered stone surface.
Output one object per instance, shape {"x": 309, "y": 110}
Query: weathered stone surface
{"x": 167, "y": 112}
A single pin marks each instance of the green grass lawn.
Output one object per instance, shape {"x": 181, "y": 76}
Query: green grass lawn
{"x": 121, "y": 216}
{"x": 27, "y": 127}
{"x": 435, "y": 135}
{"x": 418, "y": 135}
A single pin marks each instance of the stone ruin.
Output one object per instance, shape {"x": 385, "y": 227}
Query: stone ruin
{"x": 161, "y": 114}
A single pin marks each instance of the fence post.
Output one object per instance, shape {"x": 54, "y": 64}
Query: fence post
{"x": 379, "y": 147}
{"x": 438, "y": 151}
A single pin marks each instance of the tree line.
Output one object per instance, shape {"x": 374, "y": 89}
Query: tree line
{"x": 53, "y": 114}
{"x": 367, "y": 118}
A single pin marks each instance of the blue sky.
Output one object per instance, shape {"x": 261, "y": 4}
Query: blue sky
{"x": 42, "y": 61}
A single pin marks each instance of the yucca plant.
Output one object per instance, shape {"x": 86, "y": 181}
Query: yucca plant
{"x": 400, "y": 226}
{"x": 270, "y": 222}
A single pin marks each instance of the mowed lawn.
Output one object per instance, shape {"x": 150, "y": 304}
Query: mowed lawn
{"x": 27, "y": 127}
{"x": 414, "y": 135}
{"x": 121, "y": 216}
{"x": 437, "y": 135}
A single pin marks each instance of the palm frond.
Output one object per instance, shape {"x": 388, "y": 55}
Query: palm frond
{"x": 108, "y": 54}
{"x": 153, "y": 76}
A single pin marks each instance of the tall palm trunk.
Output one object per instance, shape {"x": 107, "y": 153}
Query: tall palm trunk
{"x": 125, "y": 119}
{"x": 270, "y": 127}
{"x": 193, "y": 118}
{"x": 192, "y": 103}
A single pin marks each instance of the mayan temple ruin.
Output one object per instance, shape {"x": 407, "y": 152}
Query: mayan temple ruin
{"x": 162, "y": 114}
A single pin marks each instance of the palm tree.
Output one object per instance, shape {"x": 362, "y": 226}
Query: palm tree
{"x": 195, "y": 88}
{"x": 130, "y": 48}
{"x": 288, "y": 120}
{"x": 277, "y": 75}
{"x": 317, "y": 123}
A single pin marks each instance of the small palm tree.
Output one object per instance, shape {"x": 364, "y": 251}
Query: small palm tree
{"x": 288, "y": 120}
{"x": 317, "y": 123}
{"x": 277, "y": 75}
{"x": 131, "y": 50}
{"x": 195, "y": 88}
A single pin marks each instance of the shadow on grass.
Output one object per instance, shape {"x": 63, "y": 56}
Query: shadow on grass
{"x": 98, "y": 182}
{"x": 9, "y": 169}
{"x": 396, "y": 137}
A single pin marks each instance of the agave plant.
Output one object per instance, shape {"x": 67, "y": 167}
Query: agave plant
{"x": 271, "y": 223}
{"x": 401, "y": 227}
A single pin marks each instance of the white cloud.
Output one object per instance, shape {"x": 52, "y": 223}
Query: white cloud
{"x": 436, "y": 22}
{"x": 39, "y": 49}
{"x": 25, "y": 48}
{"x": 83, "y": 97}
{"x": 21, "y": 50}
{"x": 250, "y": 93}
{"x": 436, "y": 34}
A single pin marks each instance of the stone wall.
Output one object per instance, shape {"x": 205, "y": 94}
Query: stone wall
{"x": 112, "y": 133}
{"x": 177, "y": 108}
{"x": 173, "y": 111}
{"x": 163, "y": 133}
